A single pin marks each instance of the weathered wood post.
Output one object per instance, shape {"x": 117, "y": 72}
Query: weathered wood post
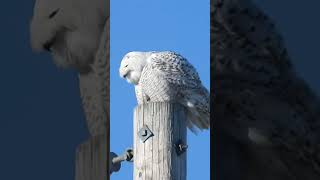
{"x": 91, "y": 159}
{"x": 159, "y": 141}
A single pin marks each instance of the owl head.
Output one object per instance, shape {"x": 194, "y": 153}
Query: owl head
{"x": 132, "y": 65}
{"x": 69, "y": 29}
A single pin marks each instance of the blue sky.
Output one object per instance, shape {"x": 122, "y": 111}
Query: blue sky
{"x": 144, "y": 25}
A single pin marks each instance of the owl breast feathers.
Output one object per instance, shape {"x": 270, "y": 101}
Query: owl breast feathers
{"x": 169, "y": 77}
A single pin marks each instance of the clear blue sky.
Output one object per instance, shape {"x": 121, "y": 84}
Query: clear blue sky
{"x": 144, "y": 25}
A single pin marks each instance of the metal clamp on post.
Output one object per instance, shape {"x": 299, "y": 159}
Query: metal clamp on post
{"x": 115, "y": 160}
{"x": 145, "y": 133}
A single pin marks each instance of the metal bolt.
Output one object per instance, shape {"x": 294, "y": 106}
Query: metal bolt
{"x": 127, "y": 156}
{"x": 129, "y": 153}
{"x": 119, "y": 159}
{"x": 183, "y": 147}
{"x": 180, "y": 147}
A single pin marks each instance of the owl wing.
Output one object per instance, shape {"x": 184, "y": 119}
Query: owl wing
{"x": 174, "y": 69}
{"x": 172, "y": 78}
{"x": 94, "y": 89}
{"x": 165, "y": 74}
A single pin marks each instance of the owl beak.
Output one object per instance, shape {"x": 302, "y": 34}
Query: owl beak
{"x": 124, "y": 74}
{"x": 48, "y": 45}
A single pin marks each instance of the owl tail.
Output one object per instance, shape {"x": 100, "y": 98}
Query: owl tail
{"x": 197, "y": 120}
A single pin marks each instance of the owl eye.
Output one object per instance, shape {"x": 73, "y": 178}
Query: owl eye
{"x": 126, "y": 65}
{"x": 54, "y": 13}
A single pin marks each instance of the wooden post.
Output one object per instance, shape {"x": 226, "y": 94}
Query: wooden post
{"x": 91, "y": 158}
{"x": 157, "y": 158}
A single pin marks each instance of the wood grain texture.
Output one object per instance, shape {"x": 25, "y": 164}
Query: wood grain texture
{"x": 91, "y": 158}
{"x": 156, "y": 158}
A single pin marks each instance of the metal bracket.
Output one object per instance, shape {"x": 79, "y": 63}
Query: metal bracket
{"x": 180, "y": 147}
{"x": 115, "y": 160}
{"x": 114, "y": 167}
{"x": 145, "y": 133}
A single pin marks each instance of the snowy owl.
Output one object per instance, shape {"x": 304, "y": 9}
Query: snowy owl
{"x": 76, "y": 33}
{"x": 268, "y": 115}
{"x": 167, "y": 76}
{"x": 69, "y": 29}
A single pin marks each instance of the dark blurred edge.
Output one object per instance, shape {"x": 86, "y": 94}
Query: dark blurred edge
{"x": 225, "y": 153}
{"x": 213, "y": 138}
{"x": 108, "y": 94}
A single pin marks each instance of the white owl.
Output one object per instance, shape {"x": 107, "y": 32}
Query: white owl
{"x": 168, "y": 77}
{"x": 75, "y": 32}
